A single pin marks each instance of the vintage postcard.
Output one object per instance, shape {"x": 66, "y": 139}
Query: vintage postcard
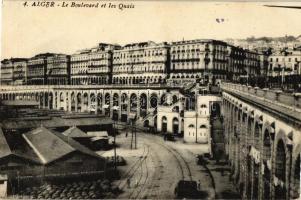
{"x": 150, "y": 99}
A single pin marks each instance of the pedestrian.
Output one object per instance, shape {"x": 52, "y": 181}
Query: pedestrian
{"x": 126, "y": 134}
{"x": 136, "y": 182}
{"x": 199, "y": 185}
{"x": 128, "y": 181}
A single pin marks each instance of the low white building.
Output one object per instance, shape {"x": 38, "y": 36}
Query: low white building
{"x": 169, "y": 119}
{"x": 197, "y": 124}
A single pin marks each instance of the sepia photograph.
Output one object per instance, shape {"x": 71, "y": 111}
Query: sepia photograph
{"x": 167, "y": 99}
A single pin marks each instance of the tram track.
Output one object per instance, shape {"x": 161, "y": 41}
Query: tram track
{"x": 134, "y": 167}
{"x": 142, "y": 180}
{"x": 178, "y": 158}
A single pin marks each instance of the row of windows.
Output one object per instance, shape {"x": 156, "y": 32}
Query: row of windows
{"x": 86, "y": 70}
{"x": 193, "y": 126}
{"x": 36, "y": 62}
{"x": 146, "y": 59}
{"x": 197, "y": 55}
{"x": 283, "y": 59}
{"x": 139, "y": 68}
{"x": 92, "y": 64}
{"x": 56, "y": 61}
{"x": 81, "y": 57}
{"x": 140, "y": 53}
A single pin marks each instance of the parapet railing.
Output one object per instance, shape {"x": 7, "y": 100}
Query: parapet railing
{"x": 70, "y": 87}
{"x": 291, "y": 101}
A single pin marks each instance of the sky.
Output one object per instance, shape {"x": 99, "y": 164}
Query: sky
{"x": 27, "y": 31}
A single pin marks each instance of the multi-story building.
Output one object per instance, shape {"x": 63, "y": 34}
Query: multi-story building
{"x": 58, "y": 69}
{"x": 285, "y": 63}
{"x": 37, "y": 69}
{"x": 141, "y": 63}
{"x": 235, "y": 58}
{"x": 251, "y": 64}
{"x": 7, "y": 69}
{"x": 93, "y": 66}
{"x": 196, "y": 59}
{"x": 19, "y": 74}
{"x": 263, "y": 63}
{"x": 13, "y": 71}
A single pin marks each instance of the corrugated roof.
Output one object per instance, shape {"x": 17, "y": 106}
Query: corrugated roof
{"x": 4, "y": 147}
{"x": 46, "y": 145}
{"x": 75, "y": 132}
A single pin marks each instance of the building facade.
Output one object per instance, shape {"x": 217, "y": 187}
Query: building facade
{"x": 178, "y": 63}
{"x": 235, "y": 58}
{"x": 19, "y": 71}
{"x": 58, "y": 70}
{"x": 37, "y": 69}
{"x": 196, "y": 59}
{"x": 141, "y": 63}
{"x": 93, "y": 66}
{"x": 285, "y": 63}
{"x": 13, "y": 71}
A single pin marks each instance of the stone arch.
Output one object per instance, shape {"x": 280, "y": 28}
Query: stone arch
{"x": 61, "y": 100}
{"x": 295, "y": 179}
{"x": 73, "y": 102}
{"x": 107, "y": 103}
{"x": 93, "y": 101}
{"x": 143, "y": 105}
{"x": 164, "y": 124}
{"x": 146, "y": 123}
{"x": 133, "y": 102}
{"x": 99, "y": 102}
{"x": 115, "y": 99}
{"x": 153, "y": 100}
{"x": 280, "y": 170}
{"x": 163, "y": 99}
{"x": 115, "y": 106}
{"x": 257, "y": 133}
{"x": 266, "y": 156}
{"x": 124, "y": 107}
{"x": 174, "y": 99}
{"x": 175, "y": 125}
{"x": 50, "y": 100}
{"x": 79, "y": 101}
{"x": 85, "y": 102}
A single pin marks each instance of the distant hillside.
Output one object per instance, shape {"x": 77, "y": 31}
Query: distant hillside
{"x": 288, "y": 38}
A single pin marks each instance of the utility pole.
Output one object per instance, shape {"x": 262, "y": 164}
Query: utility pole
{"x": 135, "y": 130}
{"x": 132, "y": 137}
{"x": 114, "y": 132}
{"x": 196, "y": 117}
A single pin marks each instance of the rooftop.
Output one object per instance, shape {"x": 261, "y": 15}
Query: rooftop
{"x": 74, "y": 132}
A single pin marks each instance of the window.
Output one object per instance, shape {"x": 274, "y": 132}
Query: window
{"x": 191, "y": 126}
{"x": 203, "y": 106}
{"x": 203, "y": 126}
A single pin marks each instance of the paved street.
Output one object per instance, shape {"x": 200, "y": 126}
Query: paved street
{"x": 156, "y": 166}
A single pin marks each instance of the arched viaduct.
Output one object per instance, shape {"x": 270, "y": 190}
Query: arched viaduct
{"x": 116, "y": 102}
{"x": 263, "y": 148}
